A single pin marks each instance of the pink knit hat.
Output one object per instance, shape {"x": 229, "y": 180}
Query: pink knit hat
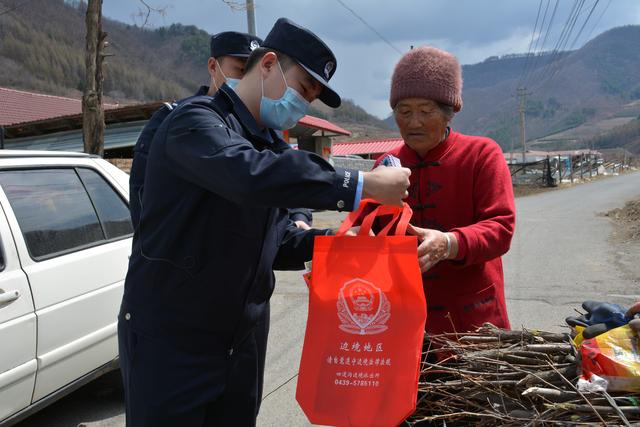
{"x": 428, "y": 72}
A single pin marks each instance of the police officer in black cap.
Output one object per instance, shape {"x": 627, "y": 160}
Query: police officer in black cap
{"x": 213, "y": 228}
{"x": 229, "y": 51}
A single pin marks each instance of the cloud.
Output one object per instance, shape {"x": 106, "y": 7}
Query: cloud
{"x": 471, "y": 29}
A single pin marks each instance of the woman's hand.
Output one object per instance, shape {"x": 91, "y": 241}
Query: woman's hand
{"x": 433, "y": 246}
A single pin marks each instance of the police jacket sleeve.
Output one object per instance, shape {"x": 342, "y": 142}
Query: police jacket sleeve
{"x": 494, "y": 210}
{"x": 296, "y": 248}
{"x": 205, "y": 151}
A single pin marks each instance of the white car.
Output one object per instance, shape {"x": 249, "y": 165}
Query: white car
{"x": 65, "y": 239}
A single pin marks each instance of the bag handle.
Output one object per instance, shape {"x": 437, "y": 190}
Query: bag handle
{"x": 401, "y": 217}
{"x": 353, "y": 216}
{"x": 367, "y": 222}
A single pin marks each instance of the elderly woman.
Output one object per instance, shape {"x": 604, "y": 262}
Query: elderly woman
{"x": 461, "y": 195}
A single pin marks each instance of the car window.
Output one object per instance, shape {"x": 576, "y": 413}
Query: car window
{"x": 53, "y": 210}
{"x": 2, "y": 263}
{"x": 112, "y": 211}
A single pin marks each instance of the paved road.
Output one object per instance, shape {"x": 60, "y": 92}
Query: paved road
{"x": 561, "y": 255}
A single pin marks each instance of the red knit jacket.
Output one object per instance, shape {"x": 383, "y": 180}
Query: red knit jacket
{"x": 464, "y": 186}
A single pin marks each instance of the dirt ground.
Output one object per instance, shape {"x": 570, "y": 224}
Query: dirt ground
{"x": 625, "y": 239}
{"x": 528, "y": 190}
{"x": 627, "y": 220}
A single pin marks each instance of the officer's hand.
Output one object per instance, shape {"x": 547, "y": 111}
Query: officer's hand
{"x": 387, "y": 185}
{"x": 302, "y": 225}
{"x": 432, "y": 246}
{"x": 353, "y": 231}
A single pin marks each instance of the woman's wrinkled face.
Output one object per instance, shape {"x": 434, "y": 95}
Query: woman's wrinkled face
{"x": 422, "y": 123}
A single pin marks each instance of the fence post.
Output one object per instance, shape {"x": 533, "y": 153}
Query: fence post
{"x": 559, "y": 170}
{"x": 571, "y": 167}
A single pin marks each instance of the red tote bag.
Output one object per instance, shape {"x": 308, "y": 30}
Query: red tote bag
{"x": 365, "y": 328}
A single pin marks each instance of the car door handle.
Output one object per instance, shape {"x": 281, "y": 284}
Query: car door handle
{"x": 6, "y": 297}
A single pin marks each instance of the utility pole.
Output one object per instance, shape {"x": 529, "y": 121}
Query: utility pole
{"x": 522, "y": 97}
{"x": 92, "y": 108}
{"x": 251, "y": 17}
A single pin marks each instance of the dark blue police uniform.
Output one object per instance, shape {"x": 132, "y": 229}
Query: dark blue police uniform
{"x": 227, "y": 43}
{"x": 141, "y": 151}
{"x": 213, "y": 226}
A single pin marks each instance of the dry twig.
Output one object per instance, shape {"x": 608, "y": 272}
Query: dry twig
{"x": 494, "y": 377}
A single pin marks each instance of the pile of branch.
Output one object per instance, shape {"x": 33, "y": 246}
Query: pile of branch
{"x": 511, "y": 378}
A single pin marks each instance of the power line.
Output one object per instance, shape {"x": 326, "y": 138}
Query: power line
{"x": 533, "y": 34}
{"x": 584, "y": 24}
{"x": 563, "y": 63}
{"x": 544, "y": 41}
{"x": 572, "y": 25}
{"x": 554, "y": 51}
{"x": 535, "y": 47}
{"x": 562, "y": 40}
{"x": 553, "y": 15}
{"x": 383, "y": 38}
{"x": 598, "y": 20}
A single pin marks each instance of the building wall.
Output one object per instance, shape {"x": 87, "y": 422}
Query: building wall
{"x": 123, "y": 164}
{"x": 358, "y": 164}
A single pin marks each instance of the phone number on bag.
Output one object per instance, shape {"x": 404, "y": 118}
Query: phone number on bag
{"x": 357, "y": 383}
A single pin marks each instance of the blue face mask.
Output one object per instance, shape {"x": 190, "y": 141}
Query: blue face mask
{"x": 232, "y": 83}
{"x": 283, "y": 113}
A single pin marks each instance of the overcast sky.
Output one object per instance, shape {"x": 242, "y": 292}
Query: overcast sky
{"x": 472, "y": 29}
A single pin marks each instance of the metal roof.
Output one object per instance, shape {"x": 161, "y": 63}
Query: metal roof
{"x": 17, "y": 106}
{"x": 117, "y": 135}
{"x": 377, "y": 146}
{"x": 42, "y": 122}
{"x": 322, "y": 124}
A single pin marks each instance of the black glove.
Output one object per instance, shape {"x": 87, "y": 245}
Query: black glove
{"x": 600, "y": 317}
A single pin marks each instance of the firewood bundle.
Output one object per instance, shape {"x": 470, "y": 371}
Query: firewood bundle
{"x": 495, "y": 377}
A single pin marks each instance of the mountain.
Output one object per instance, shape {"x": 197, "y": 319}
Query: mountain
{"x": 42, "y": 49}
{"x": 573, "y": 95}
{"x": 628, "y": 134}
{"x": 567, "y": 90}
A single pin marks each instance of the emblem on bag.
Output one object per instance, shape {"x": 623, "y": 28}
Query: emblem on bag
{"x": 363, "y": 308}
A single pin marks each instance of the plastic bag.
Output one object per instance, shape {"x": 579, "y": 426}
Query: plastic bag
{"x": 367, "y": 312}
{"x": 614, "y": 356}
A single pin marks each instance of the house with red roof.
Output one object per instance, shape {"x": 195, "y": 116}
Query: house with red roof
{"x": 35, "y": 121}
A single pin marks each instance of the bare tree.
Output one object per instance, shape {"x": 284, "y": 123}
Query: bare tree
{"x": 92, "y": 108}
{"x": 145, "y": 12}
{"x": 236, "y": 5}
